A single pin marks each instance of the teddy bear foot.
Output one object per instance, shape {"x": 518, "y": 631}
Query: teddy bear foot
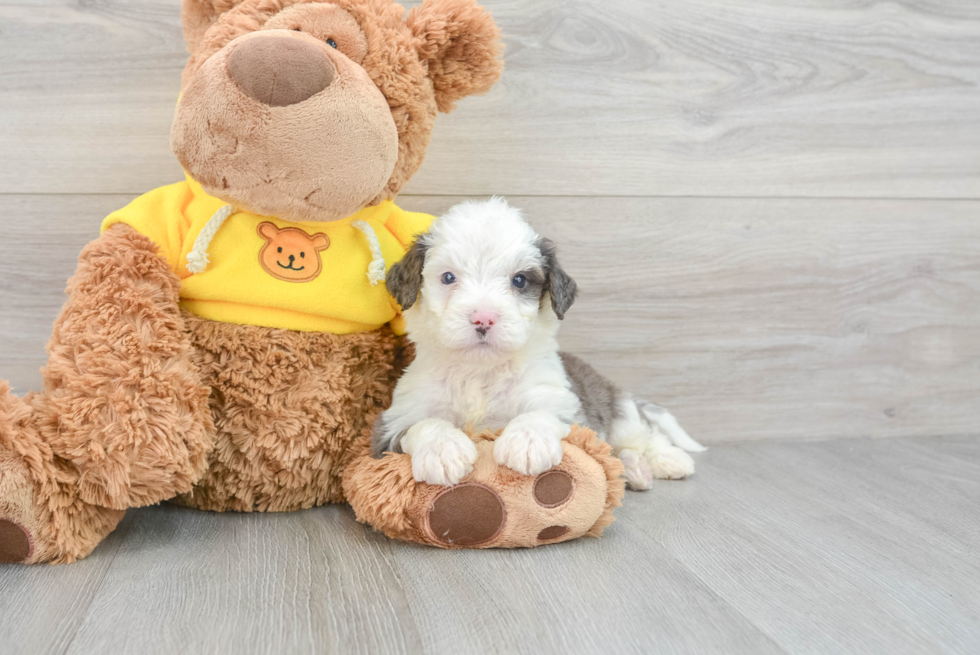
{"x": 34, "y": 530}
{"x": 16, "y": 544}
{"x": 473, "y": 515}
{"x": 493, "y": 506}
{"x": 41, "y": 517}
{"x": 22, "y": 518}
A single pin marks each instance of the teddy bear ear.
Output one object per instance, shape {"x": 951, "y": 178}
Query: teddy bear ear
{"x": 198, "y": 15}
{"x": 461, "y": 44}
{"x": 267, "y": 231}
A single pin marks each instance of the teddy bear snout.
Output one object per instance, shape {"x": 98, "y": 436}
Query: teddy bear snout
{"x": 280, "y": 70}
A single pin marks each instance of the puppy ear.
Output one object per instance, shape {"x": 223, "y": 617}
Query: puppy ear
{"x": 404, "y": 279}
{"x": 197, "y": 16}
{"x": 461, "y": 44}
{"x": 559, "y": 285}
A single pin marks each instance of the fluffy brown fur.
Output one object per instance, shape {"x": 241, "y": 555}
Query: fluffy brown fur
{"x": 125, "y": 416}
{"x": 39, "y": 491}
{"x": 460, "y": 45}
{"x": 287, "y": 407}
{"x": 384, "y": 494}
{"x": 611, "y": 466}
{"x": 123, "y": 420}
{"x": 122, "y": 400}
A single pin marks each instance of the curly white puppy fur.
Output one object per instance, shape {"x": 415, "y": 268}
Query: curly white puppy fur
{"x": 483, "y": 296}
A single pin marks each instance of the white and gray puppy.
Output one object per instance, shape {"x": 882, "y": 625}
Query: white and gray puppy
{"x": 483, "y": 296}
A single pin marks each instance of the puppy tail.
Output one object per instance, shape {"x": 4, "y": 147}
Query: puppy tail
{"x": 658, "y": 417}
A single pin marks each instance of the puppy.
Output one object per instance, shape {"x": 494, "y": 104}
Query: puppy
{"x": 483, "y": 296}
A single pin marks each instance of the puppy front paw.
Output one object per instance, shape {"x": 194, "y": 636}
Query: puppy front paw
{"x": 531, "y": 443}
{"x": 441, "y": 454}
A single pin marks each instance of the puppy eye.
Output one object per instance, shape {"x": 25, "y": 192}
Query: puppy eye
{"x": 280, "y": 249}
{"x": 331, "y": 43}
{"x": 519, "y": 281}
{"x": 448, "y": 278}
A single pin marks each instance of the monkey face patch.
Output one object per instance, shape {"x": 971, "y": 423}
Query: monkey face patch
{"x": 290, "y": 254}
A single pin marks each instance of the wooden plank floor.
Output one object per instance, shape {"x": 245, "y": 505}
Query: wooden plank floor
{"x": 773, "y": 210}
{"x": 856, "y": 546}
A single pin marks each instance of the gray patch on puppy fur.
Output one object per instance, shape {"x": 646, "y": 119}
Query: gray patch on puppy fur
{"x": 599, "y": 397}
{"x": 559, "y": 285}
{"x": 404, "y": 279}
{"x": 533, "y": 286}
{"x": 379, "y": 445}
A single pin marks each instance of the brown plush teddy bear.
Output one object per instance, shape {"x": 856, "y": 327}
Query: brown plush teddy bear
{"x": 228, "y": 340}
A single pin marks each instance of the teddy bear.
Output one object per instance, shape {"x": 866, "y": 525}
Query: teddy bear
{"x": 228, "y": 341}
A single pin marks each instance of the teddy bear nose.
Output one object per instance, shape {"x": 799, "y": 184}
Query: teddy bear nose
{"x": 280, "y": 70}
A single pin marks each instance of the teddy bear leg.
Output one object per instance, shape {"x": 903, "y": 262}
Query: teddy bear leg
{"x": 41, "y": 517}
{"x": 123, "y": 401}
{"x": 123, "y": 420}
{"x": 492, "y": 507}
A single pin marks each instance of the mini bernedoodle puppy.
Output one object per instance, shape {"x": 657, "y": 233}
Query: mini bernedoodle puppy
{"x": 483, "y": 296}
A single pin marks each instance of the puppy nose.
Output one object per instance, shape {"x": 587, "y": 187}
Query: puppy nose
{"x": 280, "y": 70}
{"x": 483, "y": 321}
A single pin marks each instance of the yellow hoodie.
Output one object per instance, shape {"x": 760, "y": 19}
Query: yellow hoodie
{"x": 238, "y": 267}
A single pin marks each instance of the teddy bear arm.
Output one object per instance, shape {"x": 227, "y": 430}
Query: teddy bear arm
{"x": 123, "y": 401}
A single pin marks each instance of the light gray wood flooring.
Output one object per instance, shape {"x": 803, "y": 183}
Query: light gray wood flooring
{"x": 773, "y": 210}
{"x": 856, "y": 546}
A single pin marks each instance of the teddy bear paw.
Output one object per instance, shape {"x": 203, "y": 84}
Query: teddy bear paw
{"x": 16, "y": 543}
{"x": 497, "y": 507}
{"x": 472, "y": 514}
{"x": 19, "y": 512}
{"x": 493, "y": 506}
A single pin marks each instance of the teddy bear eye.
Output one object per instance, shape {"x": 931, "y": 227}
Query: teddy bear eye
{"x": 331, "y": 43}
{"x": 280, "y": 249}
{"x": 302, "y": 254}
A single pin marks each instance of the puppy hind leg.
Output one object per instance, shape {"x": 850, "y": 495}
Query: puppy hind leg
{"x": 667, "y": 461}
{"x": 636, "y": 469}
{"x": 631, "y": 431}
{"x": 659, "y": 417}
